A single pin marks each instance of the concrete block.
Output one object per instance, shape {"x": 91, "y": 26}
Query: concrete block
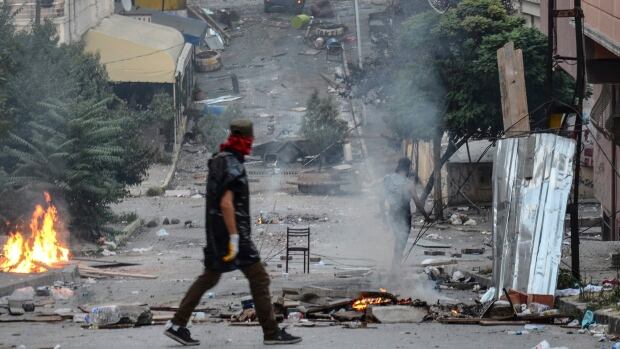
{"x": 393, "y": 314}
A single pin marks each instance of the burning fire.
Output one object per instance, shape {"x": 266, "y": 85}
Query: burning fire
{"x": 362, "y": 304}
{"x": 41, "y": 250}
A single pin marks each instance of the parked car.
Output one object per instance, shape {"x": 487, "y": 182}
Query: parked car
{"x": 295, "y": 6}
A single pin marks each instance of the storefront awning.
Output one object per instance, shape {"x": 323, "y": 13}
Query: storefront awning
{"x": 136, "y": 51}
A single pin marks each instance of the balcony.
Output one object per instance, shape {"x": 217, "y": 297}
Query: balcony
{"x": 26, "y": 10}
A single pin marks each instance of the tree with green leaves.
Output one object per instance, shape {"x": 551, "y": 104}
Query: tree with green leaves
{"x": 321, "y": 123}
{"x": 64, "y": 131}
{"x": 446, "y": 77}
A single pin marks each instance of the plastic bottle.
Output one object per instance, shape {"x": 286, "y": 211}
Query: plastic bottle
{"x": 105, "y": 315}
{"x": 294, "y": 317}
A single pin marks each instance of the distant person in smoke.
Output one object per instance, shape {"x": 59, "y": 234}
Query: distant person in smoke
{"x": 229, "y": 243}
{"x": 398, "y": 192}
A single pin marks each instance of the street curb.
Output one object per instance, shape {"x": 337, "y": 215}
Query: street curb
{"x": 573, "y": 307}
{"x": 175, "y": 158}
{"x": 569, "y": 306}
{"x": 128, "y": 231}
{"x": 68, "y": 274}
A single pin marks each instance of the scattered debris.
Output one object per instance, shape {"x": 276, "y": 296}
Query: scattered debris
{"x": 179, "y": 193}
{"x": 219, "y": 100}
{"x": 162, "y": 233}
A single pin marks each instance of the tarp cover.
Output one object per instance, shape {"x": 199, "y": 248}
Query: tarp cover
{"x": 192, "y": 29}
{"x": 136, "y": 51}
{"x": 532, "y": 178}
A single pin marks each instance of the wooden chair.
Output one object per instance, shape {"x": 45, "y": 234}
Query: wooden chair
{"x": 299, "y": 234}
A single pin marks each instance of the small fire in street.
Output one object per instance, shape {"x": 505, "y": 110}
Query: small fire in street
{"x": 362, "y": 304}
{"x": 41, "y": 249}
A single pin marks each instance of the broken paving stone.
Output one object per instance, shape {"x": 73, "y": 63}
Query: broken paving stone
{"x": 23, "y": 294}
{"x": 434, "y": 253}
{"x": 436, "y": 262}
{"x": 472, "y": 250}
{"x": 179, "y": 193}
{"x": 61, "y": 293}
{"x": 393, "y": 314}
{"x": 457, "y": 276}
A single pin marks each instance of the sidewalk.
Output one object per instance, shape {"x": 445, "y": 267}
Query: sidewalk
{"x": 156, "y": 177}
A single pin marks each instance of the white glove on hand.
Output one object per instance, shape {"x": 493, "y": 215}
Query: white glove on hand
{"x": 233, "y": 248}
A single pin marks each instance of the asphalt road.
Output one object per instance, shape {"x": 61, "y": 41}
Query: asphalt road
{"x": 419, "y": 336}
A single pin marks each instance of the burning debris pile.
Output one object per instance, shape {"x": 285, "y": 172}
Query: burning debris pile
{"x": 41, "y": 250}
{"x": 311, "y": 306}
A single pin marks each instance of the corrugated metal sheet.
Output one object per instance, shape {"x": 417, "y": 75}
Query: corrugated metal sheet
{"x": 532, "y": 178}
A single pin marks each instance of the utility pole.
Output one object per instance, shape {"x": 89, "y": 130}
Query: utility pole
{"x": 37, "y": 12}
{"x": 359, "y": 35}
{"x": 579, "y": 96}
{"x": 550, "y": 53}
{"x": 577, "y": 13}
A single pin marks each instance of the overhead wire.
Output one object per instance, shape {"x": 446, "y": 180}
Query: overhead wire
{"x": 143, "y": 55}
{"x": 427, "y": 225}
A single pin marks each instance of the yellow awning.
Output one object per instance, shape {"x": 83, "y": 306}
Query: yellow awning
{"x": 166, "y": 5}
{"x": 136, "y": 51}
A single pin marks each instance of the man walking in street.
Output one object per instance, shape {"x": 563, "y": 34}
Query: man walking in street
{"x": 397, "y": 190}
{"x": 229, "y": 245}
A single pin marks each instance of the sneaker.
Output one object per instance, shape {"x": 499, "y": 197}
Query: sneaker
{"x": 182, "y": 336}
{"x": 282, "y": 338}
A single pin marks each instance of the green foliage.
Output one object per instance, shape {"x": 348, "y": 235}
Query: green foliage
{"x": 64, "y": 131}
{"x": 160, "y": 109}
{"x": 154, "y": 191}
{"x": 447, "y": 75}
{"x": 76, "y": 150}
{"x": 321, "y": 124}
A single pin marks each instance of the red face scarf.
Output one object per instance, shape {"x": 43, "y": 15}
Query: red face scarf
{"x": 239, "y": 144}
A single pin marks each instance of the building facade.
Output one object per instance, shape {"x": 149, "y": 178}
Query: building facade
{"x": 602, "y": 49}
{"x": 72, "y": 18}
{"x": 530, "y": 10}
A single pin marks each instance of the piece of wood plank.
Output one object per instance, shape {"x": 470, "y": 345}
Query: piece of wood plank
{"x": 31, "y": 318}
{"x": 329, "y": 306}
{"x": 503, "y": 323}
{"x": 513, "y": 92}
{"x": 93, "y": 271}
{"x": 461, "y": 321}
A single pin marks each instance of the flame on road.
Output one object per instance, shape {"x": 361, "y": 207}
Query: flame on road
{"x": 362, "y": 304}
{"x": 40, "y": 250}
